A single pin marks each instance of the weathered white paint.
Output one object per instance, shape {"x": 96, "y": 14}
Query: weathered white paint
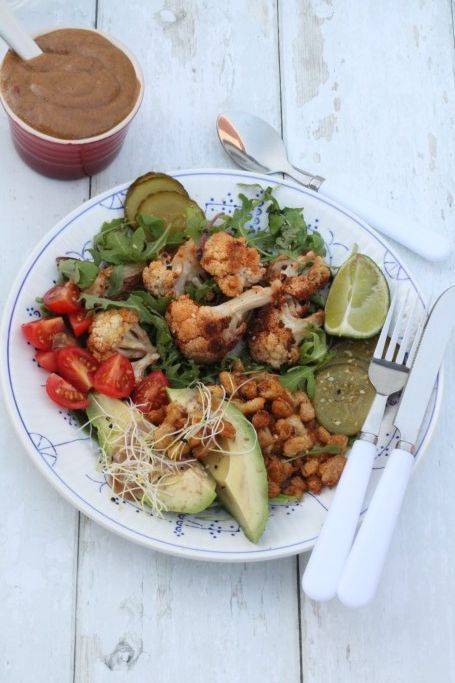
{"x": 377, "y": 113}
{"x": 38, "y": 529}
{"x": 154, "y": 615}
{"x": 367, "y": 98}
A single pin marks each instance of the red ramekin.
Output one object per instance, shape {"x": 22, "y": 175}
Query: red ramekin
{"x": 70, "y": 159}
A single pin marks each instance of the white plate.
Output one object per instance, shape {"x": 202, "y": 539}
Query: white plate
{"x": 67, "y": 457}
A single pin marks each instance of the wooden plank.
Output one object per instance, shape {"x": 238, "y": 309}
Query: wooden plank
{"x": 38, "y": 529}
{"x": 368, "y": 99}
{"x": 198, "y": 59}
{"x": 146, "y": 614}
{"x": 142, "y": 613}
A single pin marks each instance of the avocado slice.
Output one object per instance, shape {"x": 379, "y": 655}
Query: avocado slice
{"x": 190, "y": 490}
{"x": 239, "y": 472}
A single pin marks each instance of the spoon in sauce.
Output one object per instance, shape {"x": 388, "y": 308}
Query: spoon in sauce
{"x": 12, "y": 31}
{"x": 254, "y": 145}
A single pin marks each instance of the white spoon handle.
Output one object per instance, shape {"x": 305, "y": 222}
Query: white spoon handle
{"x": 422, "y": 240}
{"x": 15, "y": 35}
{"x": 362, "y": 571}
{"x": 323, "y": 571}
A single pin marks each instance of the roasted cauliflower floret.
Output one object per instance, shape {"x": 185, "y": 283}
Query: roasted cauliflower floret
{"x": 168, "y": 276}
{"x": 301, "y": 277}
{"x": 131, "y": 277}
{"x": 207, "y": 333}
{"x": 118, "y": 331}
{"x": 276, "y": 332}
{"x": 233, "y": 264}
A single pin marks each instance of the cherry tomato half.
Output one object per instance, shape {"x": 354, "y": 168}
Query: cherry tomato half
{"x": 150, "y": 393}
{"x": 47, "y": 360}
{"x": 77, "y": 366}
{"x": 80, "y": 321}
{"x": 63, "y": 298}
{"x": 64, "y": 394}
{"x": 41, "y": 332}
{"x": 115, "y": 377}
{"x": 62, "y": 339}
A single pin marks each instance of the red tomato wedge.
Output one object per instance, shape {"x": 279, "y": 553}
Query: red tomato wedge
{"x": 80, "y": 321}
{"x": 41, "y": 332}
{"x": 150, "y": 393}
{"x": 64, "y": 394}
{"x": 47, "y": 360}
{"x": 62, "y": 339}
{"x": 63, "y": 298}
{"x": 77, "y": 366}
{"x": 115, "y": 377}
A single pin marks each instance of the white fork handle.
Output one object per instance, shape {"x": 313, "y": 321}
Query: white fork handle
{"x": 323, "y": 571}
{"x": 362, "y": 571}
{"x": 422, "y": 240}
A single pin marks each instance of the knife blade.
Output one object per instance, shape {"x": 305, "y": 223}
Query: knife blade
{"x": 362, "y": 571}
{"x": 430, "y": 352}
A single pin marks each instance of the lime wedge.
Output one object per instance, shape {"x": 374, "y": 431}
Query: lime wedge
{"x": 358, "y": 300}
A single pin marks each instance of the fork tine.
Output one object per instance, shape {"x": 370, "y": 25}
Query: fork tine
{"x": 411, "y": 326}
{"x": 415, "y": 344}
{"x": 396, "y": 329}
{"x": 385, "y": 328}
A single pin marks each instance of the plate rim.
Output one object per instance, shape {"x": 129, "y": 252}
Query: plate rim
{"x": 116, "y": 526}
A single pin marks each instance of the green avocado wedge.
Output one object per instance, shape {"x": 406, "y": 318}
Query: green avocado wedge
{"x": 238, "y": 469}
{"x": 189, "y": 490}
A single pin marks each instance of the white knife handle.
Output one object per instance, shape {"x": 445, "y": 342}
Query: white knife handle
{"x": 362, "y": 571}
{"x": 423, "y": 240}
{"x": 323, "y": 571}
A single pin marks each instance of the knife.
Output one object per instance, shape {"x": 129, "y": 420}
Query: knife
{"x": 362, "y": 571}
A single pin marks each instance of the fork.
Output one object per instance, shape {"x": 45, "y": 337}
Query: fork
{"x": 388, "y": 372}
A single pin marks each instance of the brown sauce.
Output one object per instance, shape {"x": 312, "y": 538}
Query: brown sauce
{"x": 80, "y": 87}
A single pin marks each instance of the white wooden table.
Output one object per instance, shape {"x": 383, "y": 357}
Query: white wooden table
{"x": 364, "y": 93}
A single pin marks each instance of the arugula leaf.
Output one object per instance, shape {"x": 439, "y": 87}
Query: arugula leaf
{"x": 299, "y": 377}
{"x": 115, "y": 281}
{"x": 199, "y": 292}
{"x": 284, "y": 233}
{"x": 313, "y": 348}
{"x": 117, "y": 243}
{"x": 195, "y": 224}
{"x": 146, "y": 306}
{"x": 82, "y": 273}
{"x": 329, "y": 449}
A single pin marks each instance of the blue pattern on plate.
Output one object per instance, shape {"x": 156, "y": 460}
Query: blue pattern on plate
{"x": 48, "y": 450}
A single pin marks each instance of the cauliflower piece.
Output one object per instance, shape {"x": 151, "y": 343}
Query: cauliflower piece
{"x": 275, "y": 334}
{"x": 118, "y": 331}
{"x": 207, "y": 333}
{"x": 100, "y": 284}
{"x": 296, "y": 283}
{"x": 131, "y": 277}
{"x": 168, "y": 277}
{"x": 232, "y": 263}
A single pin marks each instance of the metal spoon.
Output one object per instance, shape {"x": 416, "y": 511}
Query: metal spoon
{"x": 254, "y": 145}
{"x": 15, "y": 35}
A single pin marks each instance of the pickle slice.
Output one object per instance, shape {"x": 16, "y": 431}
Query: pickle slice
{"x": 170, "y": 207}
{"x": 145, "y": 185}
{"x": 343, "y": 396}
{"x": 352, "y": 350}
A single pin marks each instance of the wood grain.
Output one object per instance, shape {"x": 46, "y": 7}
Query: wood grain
{"x": 374, "y": 109}
{"x": 366, "y": 95}
{"x": 38, "y": 529}
{"x": 141, "y": 612}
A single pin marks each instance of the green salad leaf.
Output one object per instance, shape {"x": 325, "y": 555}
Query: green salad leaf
{"x": 285, "y": 230}
{"x": 329, "y": 449}
{"x": 82, "y": 273}
{"x": 314, "y": 353}
{"x": 118, "y": 243}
